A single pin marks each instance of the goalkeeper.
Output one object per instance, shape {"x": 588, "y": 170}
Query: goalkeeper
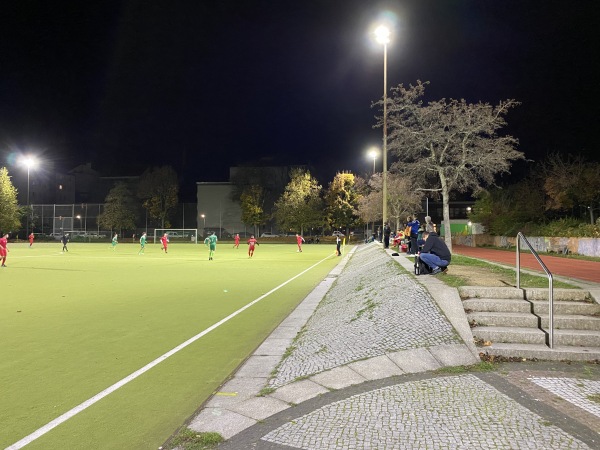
{"x": 211, "y": 242}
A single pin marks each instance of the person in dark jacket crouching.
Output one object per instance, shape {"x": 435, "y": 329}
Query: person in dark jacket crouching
{"x": 435, "y": 252}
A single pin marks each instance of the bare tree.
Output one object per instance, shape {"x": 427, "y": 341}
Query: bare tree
{"x": 448, "y": 145}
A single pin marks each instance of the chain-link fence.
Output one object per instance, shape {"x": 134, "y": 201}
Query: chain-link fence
{"x": 82, "y": 220}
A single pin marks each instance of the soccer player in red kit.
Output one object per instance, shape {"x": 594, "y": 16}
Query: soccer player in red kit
{"x": 3, "y": 249}
{"x": 236, "y": 241}
{"x": 299, "y": 240}
{"x": 164, "y": 240}
{"x": 251, "y": 243}
{"x": 31, "y": 237}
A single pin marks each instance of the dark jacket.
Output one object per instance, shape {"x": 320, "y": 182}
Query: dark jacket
{"x": 435, "y": 245}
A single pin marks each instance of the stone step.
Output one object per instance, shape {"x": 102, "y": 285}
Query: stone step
{"x": 496, "y": 305}
{"x": 490, "y": 292}
{"x": 527, "y": 293}
{"x": 567, "y": 308}
{"x": 524, "y": 320}
{"x": 573, "y": 295}
{"x": 573, "y": 322}
{"x": 532, "y": 351}
{"x": 510, "y": 334}
{"x": 581, "y": 338}
{"x": 504, "y": 319}
{"x": 524, "y": 306}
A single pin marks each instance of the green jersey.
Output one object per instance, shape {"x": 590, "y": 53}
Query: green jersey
{"x": 143, "y": 240}
{"x": 211, "y": 241}
{"x": 114, "y": 241}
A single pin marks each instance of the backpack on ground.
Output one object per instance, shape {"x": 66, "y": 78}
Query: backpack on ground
{"x": 421, "y": 268}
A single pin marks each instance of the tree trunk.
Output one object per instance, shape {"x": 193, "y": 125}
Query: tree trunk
{"x": 446, "y": 210}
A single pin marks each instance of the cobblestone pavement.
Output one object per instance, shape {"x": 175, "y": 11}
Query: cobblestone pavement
{"x": 372, "y": 309}
{"x": 378, "y": 364}
{"x": 440, "y": 413}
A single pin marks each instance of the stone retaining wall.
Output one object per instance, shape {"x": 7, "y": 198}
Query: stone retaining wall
{"x": 581, "y": 246}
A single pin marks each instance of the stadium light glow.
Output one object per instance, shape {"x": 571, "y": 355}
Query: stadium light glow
{"x": 30, "y": 162}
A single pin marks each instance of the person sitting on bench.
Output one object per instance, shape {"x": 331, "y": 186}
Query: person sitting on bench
{"x": 435, "y": 252}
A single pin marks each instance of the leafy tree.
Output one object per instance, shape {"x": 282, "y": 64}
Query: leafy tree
{"x": 341, "y": 200}
{"x": 571, "y": 182}
{"x": 448, "y": 145}
{"x": 300, "y": 205}
{"x": 252, "y": 203}
{"x": 10, "y": 213}
{"x": 119, "y": 209}
{"x": 158, "y": 188}
{"x": 506, "y": 211}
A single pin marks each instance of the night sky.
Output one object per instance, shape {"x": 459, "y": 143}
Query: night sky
{"x": 204, "y": 85}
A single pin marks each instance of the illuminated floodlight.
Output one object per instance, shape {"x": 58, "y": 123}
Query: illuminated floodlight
{"x": 382, "y": 34}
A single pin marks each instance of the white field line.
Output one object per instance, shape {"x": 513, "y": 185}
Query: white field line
{"x": 89, "y": 402}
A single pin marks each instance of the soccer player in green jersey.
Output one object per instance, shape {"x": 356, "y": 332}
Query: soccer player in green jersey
{"x": 142, "y": 243}
{"x": 211, "y": 242}
{"x": 115, "y": 241}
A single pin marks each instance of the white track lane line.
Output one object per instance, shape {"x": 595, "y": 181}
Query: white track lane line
{"x": 86, "y": 404}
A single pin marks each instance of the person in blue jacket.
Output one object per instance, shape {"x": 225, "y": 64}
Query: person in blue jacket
{"x": 414, "y": 225}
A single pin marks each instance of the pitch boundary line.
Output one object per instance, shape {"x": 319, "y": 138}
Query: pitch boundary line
{"x": 96, "y": 398}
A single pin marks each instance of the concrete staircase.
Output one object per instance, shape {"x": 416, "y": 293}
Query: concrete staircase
{"x": 515, "y": 322}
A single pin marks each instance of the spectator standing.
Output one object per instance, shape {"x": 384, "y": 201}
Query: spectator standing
{"x": 338, "y": 245}
{"x": 387, "y": 231}
{"x": 429, "y": 225}
{"x": 435, "y": 253}
{"x": 414, "y": 225}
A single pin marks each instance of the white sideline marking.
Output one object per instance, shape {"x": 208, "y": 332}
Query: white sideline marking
{"x": 89, "y": 402}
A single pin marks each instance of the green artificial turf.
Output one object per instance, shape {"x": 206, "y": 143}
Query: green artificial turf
{"x": 73, "y": 324}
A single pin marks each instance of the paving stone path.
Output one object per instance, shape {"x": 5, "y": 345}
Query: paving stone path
{"x": 373, "y": 308}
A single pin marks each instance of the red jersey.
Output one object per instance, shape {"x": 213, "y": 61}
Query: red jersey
{"x": 237, "y": 239}
{"x": 164, "y": 241}
{"x": 3, "y": 244}
{"x": 299, "y": 239}
{"x": 31, "y": 236}
{"x": 252, "y": 242}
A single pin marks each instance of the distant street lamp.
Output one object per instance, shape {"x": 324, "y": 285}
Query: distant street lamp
{"x": 373, "y": 152}
{"x": 382, "y": 36}
{"x": 204, "y": 219}
{"x": 79, "y": 217}
{"x": 28, "y": 162}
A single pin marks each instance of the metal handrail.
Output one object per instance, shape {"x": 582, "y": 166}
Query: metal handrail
{"x": 550, "y": 288}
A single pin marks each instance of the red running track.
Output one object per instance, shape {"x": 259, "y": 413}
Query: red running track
{"x": 566, "y": 267}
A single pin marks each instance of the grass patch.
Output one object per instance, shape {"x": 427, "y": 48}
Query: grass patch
{"x": 483, "y": 366}
{"x": 192, "y": 440}
{"x": 266, "y": 391}
{"x": 370, "y": 306}
{"x": 594, "y": 398}
{"x": 506, "y": 274}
